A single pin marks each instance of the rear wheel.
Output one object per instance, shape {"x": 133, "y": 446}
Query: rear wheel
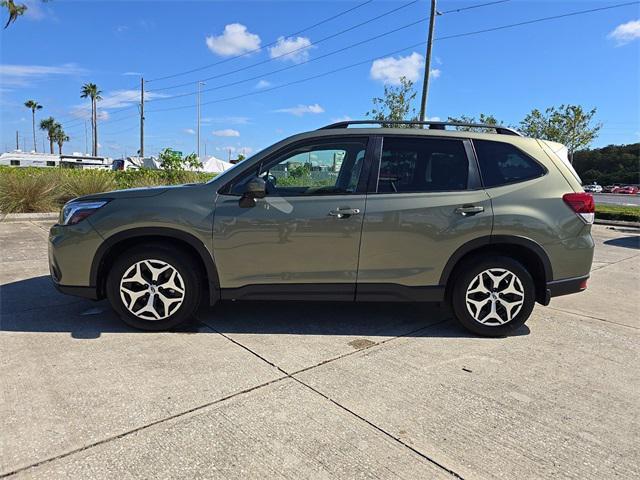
{"x": 154, "y": 288}
{"x": 493, "y": 296}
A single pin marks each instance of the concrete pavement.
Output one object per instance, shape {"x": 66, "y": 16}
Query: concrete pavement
{"x": 277, "y": 390}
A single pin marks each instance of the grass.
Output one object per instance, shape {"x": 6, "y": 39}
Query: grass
{"x": 618, "y": 212}
{"x": 32, "y": 190}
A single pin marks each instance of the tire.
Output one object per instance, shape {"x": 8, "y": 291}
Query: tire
{"x": 143, "y": 271}
{"x": 493, "y": 296}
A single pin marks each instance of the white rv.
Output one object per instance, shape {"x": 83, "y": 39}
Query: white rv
{"x": 18, "y": 158}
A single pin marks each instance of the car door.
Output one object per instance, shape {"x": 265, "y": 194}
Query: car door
{"x": 302, "y": 239}
{"x": 425, "y": 201}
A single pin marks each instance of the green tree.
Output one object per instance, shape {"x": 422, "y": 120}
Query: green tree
{"x": 241, "y": 157}
{"x": 60, "y": 137}
{"x": 91, "y": 91}
{"x": 396, "y": 104}
{"x": 571, "y": 125}
{"x": 49, "y": 125}
{"x": 33, "y": 106}
{"x": 171, "y": 160}
{"x": 485, "y": 119}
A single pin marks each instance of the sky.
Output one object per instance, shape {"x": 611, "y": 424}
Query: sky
{"x": 267, "y": 75}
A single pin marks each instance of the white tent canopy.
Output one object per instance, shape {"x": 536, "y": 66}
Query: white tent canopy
{"x": 215, "y": 165}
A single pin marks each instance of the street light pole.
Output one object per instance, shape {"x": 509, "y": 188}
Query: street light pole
{"x": 427, "y": 64}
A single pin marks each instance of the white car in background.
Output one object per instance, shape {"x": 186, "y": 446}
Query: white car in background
{"x": 593, "y": 188}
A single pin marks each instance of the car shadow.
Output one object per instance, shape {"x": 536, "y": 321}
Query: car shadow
{"x": 34, "y": 306}
{"x": 625, "y": 242}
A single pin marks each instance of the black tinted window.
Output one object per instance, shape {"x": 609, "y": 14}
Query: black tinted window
{"x": 422, "y": 165}
{"x": 502, "y": 163}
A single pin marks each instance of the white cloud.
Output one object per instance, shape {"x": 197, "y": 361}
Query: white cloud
{"x": 391, "y": 69}
{"x": 300, "y": 110}
{"x": 24, "y": 75}
{"x": 344, "y": 118}
{"x": 263, "y": 84}
{"x": 132, "y": 74}
{"x": 190, "y": 131}
{"x": 114, "y": 99}
{"x": 235, "y": 40}
{"x": 433, "y": 119}
{"x": 293, "y": 49}
{"x": 435, "y": 72}
{"x": 626, "y": 32}
{"x": 227, "y": 132}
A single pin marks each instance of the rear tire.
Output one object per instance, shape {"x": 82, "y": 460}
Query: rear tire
{"x": 154, "y": 287}
{"x": 493, "y": 296}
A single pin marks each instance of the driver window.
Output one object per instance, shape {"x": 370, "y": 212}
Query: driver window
{"x": 320, "y": 169}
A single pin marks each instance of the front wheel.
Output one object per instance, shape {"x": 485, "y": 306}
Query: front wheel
{"x": 154, "y": 288}
{"x": 493, "y": 296}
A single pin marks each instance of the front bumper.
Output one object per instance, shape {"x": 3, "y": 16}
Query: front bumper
{"x": 71, "y": 250}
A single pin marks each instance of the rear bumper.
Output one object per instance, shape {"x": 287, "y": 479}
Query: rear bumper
{"x": 565, "y": 286}
{"x": 84, "y": 292}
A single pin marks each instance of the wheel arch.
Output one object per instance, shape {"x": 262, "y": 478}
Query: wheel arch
{"x": 527, "y": 251}
{"x": 109, "y": 249}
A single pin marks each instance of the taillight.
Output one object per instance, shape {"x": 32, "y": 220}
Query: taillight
{"x": 582, "y": 204}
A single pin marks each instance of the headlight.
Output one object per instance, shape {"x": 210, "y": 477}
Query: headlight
{"x": 74, "y": 212}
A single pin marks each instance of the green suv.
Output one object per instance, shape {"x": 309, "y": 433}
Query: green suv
{"x": 488, "y": 222}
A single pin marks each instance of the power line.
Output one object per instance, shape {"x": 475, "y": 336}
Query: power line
{"x": 247, "y": 94}
{"x": 456, "y": 10}
{"x": 265, "y": 46}
{"x": 262, "y": 62}
{"x": 543, "y": 19}
{"x": 314, "y": 59}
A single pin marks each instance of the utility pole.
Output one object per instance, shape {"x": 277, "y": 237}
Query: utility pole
{"x": 427, "y": 64}
{"x": 198, "y": 113}
{"x": 17, "y": 141}
{"x": 141, "y": 117}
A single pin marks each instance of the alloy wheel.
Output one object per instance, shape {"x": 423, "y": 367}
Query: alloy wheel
{"x": 494, "y": 296}
{"x": 152, "y": 289}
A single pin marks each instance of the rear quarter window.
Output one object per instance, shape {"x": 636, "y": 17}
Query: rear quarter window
{"x": 502, "y": 163}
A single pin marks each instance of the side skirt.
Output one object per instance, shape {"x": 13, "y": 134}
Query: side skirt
{"x": 336, "y": 292}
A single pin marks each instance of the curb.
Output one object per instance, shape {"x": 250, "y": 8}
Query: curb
{"x": 26, "y": 217}
{"x": 617, "y": 223}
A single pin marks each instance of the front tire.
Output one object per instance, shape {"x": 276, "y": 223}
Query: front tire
{"x": 493, "y": 297}
{"x": 154, "y": 287}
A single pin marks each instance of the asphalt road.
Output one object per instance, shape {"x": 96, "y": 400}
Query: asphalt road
{"x": 616, "y": 199}
{"x": 275, "y": 390}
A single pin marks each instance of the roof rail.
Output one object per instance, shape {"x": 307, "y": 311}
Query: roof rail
{"x": 432, "y": 125}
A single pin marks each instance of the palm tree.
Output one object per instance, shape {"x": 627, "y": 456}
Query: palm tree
{"x": 49, "y": 125}
{"x": 14, "y": 10}
{"x": 90, "y": 90}
{"x": 33, "y": 106}
{"x": 60, "y": 137}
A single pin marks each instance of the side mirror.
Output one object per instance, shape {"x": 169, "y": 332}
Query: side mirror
{"x": 255, "y": 188}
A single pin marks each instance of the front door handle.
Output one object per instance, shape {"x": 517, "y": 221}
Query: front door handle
{"x": 467, "y": 210}
{"x": 344, "y": 212}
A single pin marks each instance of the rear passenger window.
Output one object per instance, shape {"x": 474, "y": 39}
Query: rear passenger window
{"x": 502, "y": 163}
{"x": 422, "y": 165}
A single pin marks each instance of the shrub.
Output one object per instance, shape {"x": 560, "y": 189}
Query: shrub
{"x": 78, "y": 184}
{"x": 34, "y": 189}
{"x": 27, "y": 193}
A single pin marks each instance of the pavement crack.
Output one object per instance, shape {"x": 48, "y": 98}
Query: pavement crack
{"x": 576, "y": 314}
{"x": 142, "y": 427}
{"x": 338, "y": 404}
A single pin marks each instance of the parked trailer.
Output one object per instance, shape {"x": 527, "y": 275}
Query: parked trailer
{"x": 18, "y": 158}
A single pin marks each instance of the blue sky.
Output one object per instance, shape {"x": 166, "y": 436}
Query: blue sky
{"x": 591, "y": 59}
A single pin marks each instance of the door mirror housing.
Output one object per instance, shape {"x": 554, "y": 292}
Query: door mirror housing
{"x": 254, "y": 188}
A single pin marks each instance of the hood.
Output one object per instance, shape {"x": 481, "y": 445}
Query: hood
{"x": 127, "y": 193}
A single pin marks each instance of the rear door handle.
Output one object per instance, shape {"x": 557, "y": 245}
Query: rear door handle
{"x": 344, "y": 212}
{"x": 467, "y": 210}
